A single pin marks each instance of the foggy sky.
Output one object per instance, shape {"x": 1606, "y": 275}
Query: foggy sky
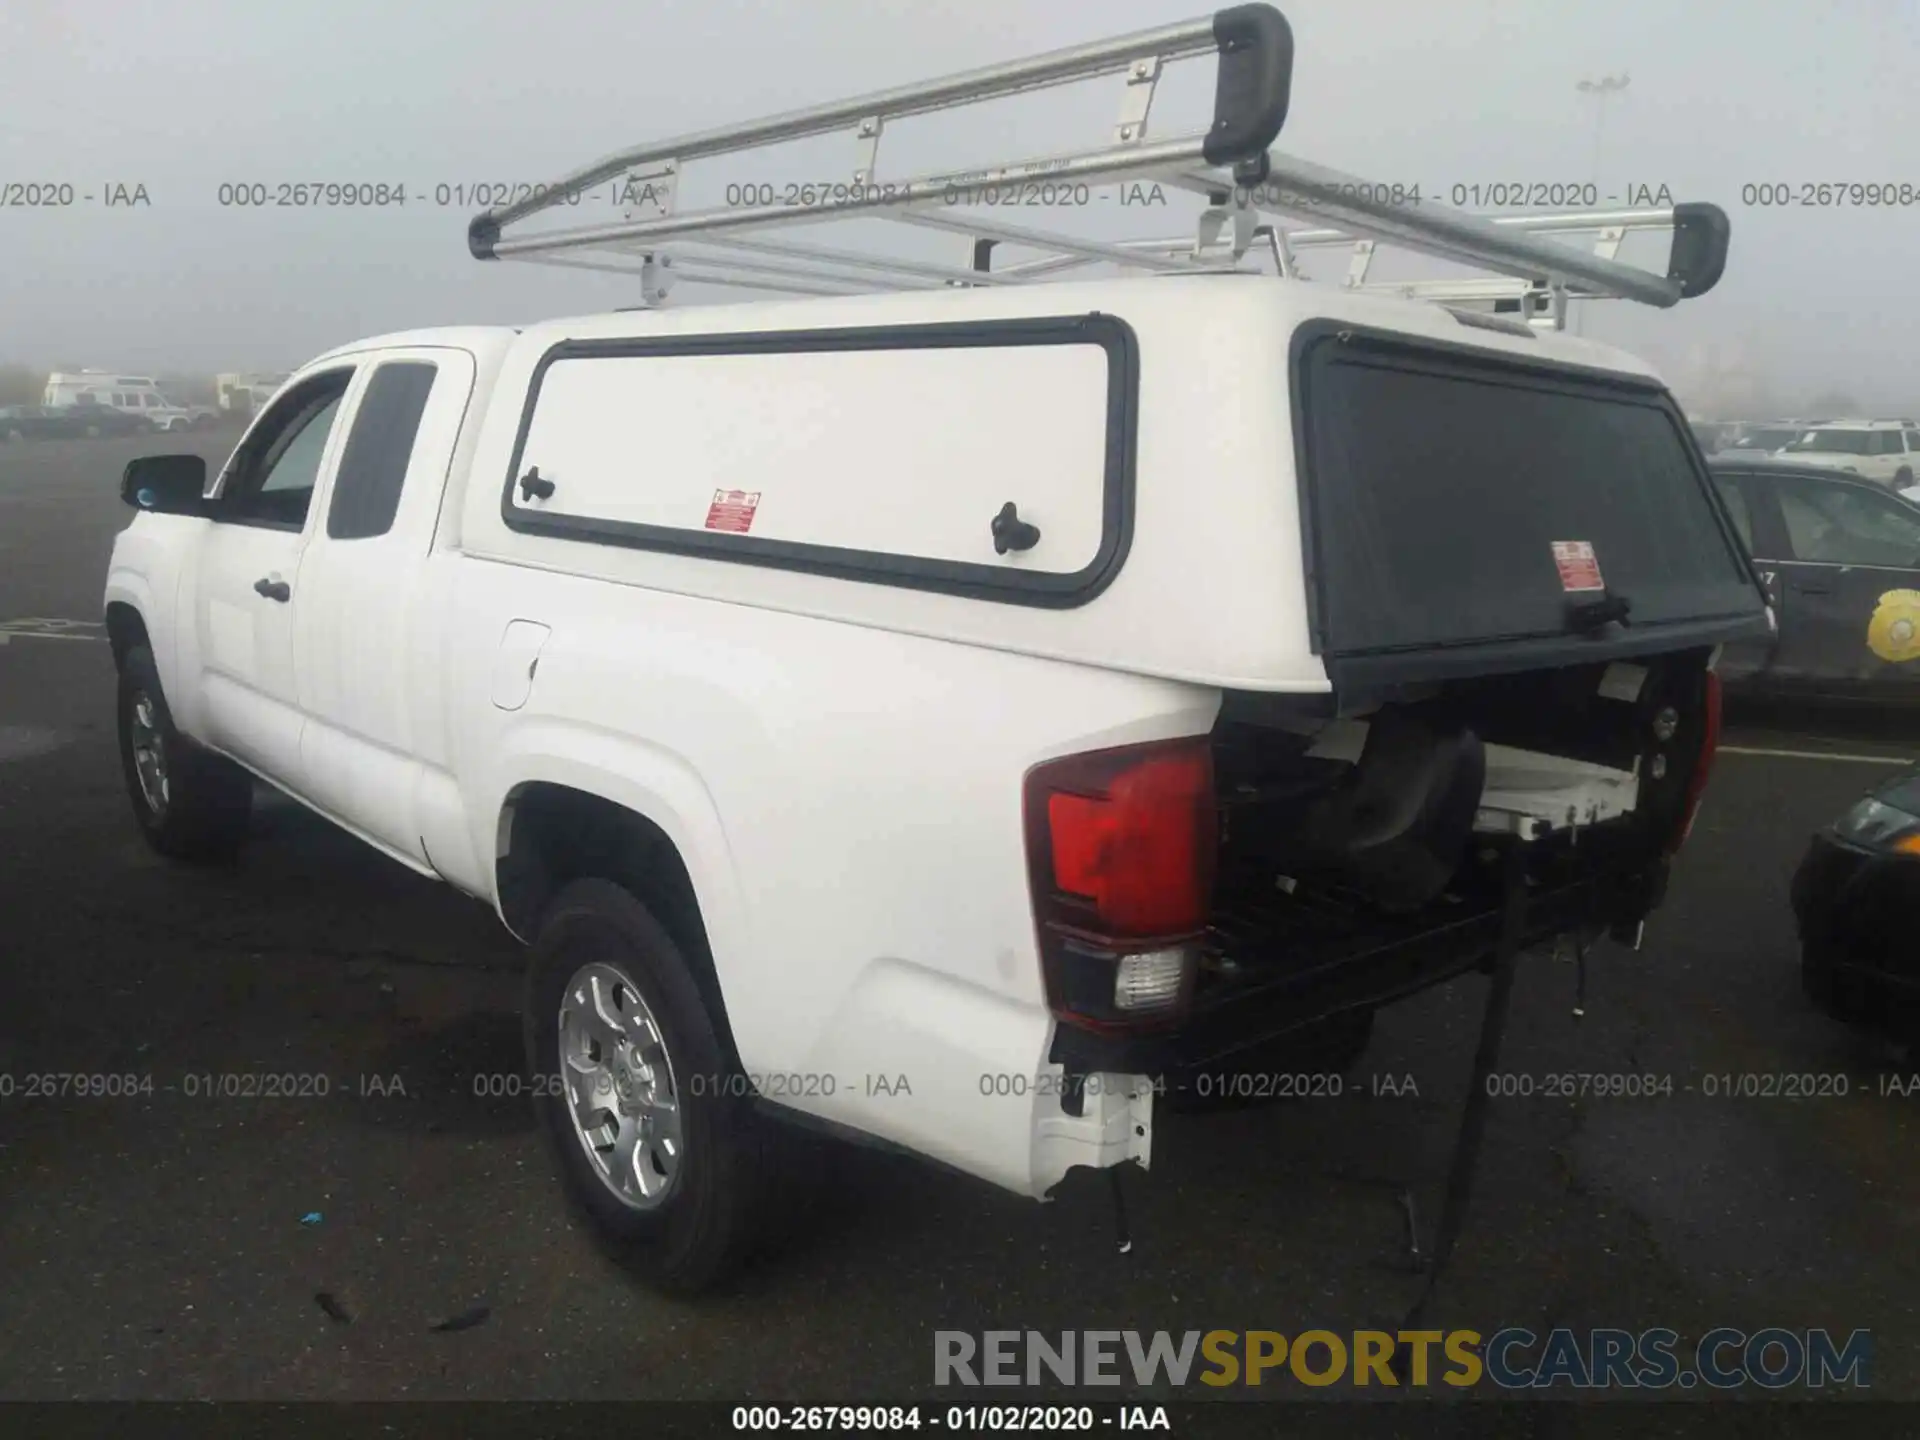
{"x": 183, "y": 96}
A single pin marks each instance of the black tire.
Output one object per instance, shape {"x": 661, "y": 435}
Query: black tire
{"x": 202, "y": 813}
{"x": 1903, "y": 476}
{"x": 711, "y": 1215}
{"x": 1828, "y": 992}
{"x": 1289, "y": 1067}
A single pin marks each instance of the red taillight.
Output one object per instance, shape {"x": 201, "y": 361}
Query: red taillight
{"x": 1142, "y": 852}
{"x": 1703, "y": 764}
{"x": 1120, "y": 845}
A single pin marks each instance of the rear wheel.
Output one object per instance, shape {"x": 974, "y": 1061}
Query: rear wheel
{"x": 658, "y": 1147}
{"x": 189, "y": 803}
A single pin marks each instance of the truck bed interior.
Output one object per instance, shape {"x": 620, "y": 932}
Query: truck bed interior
{"x": 1352, "y": 873}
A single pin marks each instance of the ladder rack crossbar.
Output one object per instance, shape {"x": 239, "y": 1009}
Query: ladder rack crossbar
{"x": 1253, "y": 42}
{"x": 1252, "y": 192}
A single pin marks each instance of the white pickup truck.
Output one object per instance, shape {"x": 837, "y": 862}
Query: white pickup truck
{"x": 954, "y": 717}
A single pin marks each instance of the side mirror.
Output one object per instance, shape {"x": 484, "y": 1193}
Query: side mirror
{"x": 166, "y": 484}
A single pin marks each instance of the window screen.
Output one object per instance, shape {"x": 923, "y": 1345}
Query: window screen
{"x": 366, "y": 493}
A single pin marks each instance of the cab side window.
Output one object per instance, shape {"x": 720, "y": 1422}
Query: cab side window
{"x": 270, "y": 481}
{"x": 1849, "y": 525}
{"x": 373, "y": 467}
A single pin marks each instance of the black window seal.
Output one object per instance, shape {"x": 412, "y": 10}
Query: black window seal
{"x": 1425, "y": 355}
{"x": 947, "y": 577}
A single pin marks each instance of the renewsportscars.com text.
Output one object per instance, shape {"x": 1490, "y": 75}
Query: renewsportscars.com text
{"x": 1512, "y": 1358}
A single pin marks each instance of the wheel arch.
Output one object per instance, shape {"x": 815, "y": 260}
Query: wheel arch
{"x": 560, "y": 823}
{"x": 126, "y": 628}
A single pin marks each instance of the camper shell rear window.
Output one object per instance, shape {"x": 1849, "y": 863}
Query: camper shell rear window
{"x": 1457, "y": 501}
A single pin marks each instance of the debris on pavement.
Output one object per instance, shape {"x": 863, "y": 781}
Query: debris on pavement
{"x": 465, "y": 1320}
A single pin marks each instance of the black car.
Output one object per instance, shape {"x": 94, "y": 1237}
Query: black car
{"x": 91, "y": 420}
{"x": 1856, "y": 898}
{"x": 1840, "y": 558}
{"x": 31, "y": 422}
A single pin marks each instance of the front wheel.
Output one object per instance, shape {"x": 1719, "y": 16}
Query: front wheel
{"x": 1824, "y": 985}
{"x": 657, "y": 1145}
{"x": 190, "y": 804}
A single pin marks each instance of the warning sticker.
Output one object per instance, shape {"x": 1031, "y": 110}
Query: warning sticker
{"x": 1579, "y": 567}
{"x": 732, "y": 510}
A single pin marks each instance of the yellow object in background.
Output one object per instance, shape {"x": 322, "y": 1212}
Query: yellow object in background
{"x": 1894, "y": 632}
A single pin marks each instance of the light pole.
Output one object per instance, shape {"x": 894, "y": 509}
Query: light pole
{"x": 1602, "y": 90}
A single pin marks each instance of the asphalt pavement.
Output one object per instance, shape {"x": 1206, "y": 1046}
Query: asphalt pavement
{"x": 173, "y": 1243}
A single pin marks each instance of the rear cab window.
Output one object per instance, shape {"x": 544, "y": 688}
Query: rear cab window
{"x": 1451, "y": 497}
{"x": 373, "y": 467}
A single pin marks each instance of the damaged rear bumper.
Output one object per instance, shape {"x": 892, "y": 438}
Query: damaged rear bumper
{"x": 1243, "y": 1013}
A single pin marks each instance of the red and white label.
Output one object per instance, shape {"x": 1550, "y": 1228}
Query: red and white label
{"x": 732, "y": 510}
{"x": 1579, "y": 567}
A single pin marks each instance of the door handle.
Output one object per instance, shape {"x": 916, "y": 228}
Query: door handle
{"x": 274, "y": 590}
{"x": 1814, "y": 589}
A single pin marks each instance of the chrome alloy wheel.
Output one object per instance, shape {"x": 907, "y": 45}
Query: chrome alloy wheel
{"x": 620, "y": 1088}
{"x": 149, "y": 753}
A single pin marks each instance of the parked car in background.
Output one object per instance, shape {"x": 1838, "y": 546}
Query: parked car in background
{"x": 1883, "y": 450}
{"x": 173, "y": 416}
{"x": 1763, "y": 439}
{"x": 1840, "y": 558}
{"x": 96, "y": 420}
{"x": 34, "y": 422}
{"x": 138, "y": 396}
{"x": 1856, "y": 901}
{"x": 245, "y": 392}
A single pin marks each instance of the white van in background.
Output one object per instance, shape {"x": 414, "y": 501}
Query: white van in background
{"x": 244, "y": 393}
{"x": 130, "y": 394}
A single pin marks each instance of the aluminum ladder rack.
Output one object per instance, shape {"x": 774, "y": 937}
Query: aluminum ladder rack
{"x": 1247, "y": 190}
